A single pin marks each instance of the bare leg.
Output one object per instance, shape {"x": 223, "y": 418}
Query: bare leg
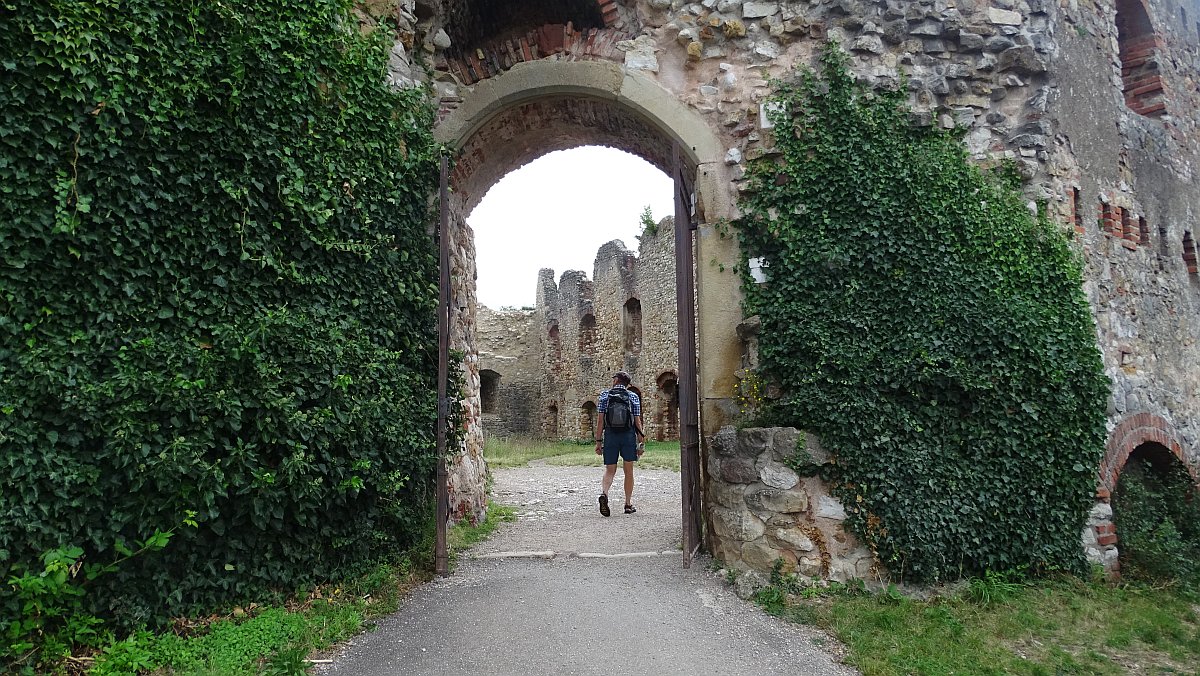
{"x": 628, "y": 481}
{"x": 610, "y": 471}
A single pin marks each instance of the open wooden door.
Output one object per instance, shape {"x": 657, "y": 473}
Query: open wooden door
{"x": 689, "y": 404}
{"x": 441, "y": 558}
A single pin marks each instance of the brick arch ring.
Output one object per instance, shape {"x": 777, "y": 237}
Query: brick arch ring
{"x": 1131, "y": 433}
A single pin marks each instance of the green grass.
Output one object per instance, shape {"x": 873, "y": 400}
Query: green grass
{"x": 513, "y": 452}
{"x": 1062, "y": 626}
{"x": 278, "y": 639}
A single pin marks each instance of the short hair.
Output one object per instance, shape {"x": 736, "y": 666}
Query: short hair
{"x": 623, "y": 376}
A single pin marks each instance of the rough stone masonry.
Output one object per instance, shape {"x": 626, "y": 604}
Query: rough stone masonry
{"x": 1097, "y": 101}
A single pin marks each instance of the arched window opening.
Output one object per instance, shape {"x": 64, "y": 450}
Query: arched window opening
{"x": 587, "y": 420}
{"x": 1189, "y": 253}
{"x": 631, "y": 326}
{"x": 1137, "y": 46}
{"x": 550, "y": 428}
{"x": 587, "y": 334}
{"x": 666, "y": 414}
{"x": 552, "y": 336}
{"x": 489, "y": 386}
{"x": 1156, "y": 511}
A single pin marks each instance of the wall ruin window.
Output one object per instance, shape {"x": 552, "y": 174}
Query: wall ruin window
{"x": 1077, "y": 210}
{"x": 631, "y": 326}
{"x": 1189, "y": 253}
{"x": 1137, "y": 43}
{"x": 1143, "y": 231}
{"x": 587, "y": 334}
{"x": 489, "y": 386}
{"x": 551, "y": 425}
{"x": 666, "y": 413}
{"x": 587, "y": 420}
{"x": 555, "y": 341}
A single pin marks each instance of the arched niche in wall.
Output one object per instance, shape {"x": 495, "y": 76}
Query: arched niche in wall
{"x": 1154, "y": 488}
{"x": 489, "y": 386}
{"x": 587, "y": 334}
{"x": 587, "y": 420}
{"x": 666, "y": 412}
{"x": 554, "y": 341}
{"x": 1138, "y": 47}
{"x": 631, "y": 326}
{"x": 550, "y": 428}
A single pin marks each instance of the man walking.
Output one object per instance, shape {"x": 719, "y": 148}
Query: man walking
{"x": 619, "y": 434}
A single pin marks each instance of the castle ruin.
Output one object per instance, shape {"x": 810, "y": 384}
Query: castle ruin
{"x": 542, "y": 369}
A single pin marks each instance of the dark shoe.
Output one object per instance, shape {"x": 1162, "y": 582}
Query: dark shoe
{"x": 629, "y": 509}
{"x": 604, "y": 505}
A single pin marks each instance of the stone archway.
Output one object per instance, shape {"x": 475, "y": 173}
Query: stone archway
{"x": 538, "y": 107}
{"x": 1140, "y": 432}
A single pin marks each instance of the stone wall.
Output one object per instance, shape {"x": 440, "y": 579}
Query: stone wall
{"x": 510, "y": 358}
{"x": 553, "y": 361}
{"x": 760, "y": 511}
{"x": 1096, "y": 101}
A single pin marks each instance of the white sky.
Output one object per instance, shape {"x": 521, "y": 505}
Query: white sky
{"x": 555, "y": 212}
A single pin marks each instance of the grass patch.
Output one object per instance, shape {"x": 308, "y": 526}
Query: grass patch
{"x": 463, "y": 536}
{"x": 513, "y": 452}
{"x": 1047, "y": 627}
{"x": 277, "y": 640}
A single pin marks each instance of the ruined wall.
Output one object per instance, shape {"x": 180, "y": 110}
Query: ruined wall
{"x": 1094, "y": 100}
{"x": 556, "y": 358}
{"x": 509, "y": 363}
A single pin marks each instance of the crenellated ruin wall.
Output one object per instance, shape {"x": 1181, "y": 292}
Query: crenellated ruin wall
{"x": 555, "y": 358}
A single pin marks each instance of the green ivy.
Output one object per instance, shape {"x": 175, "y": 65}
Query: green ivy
{"x": 217, "y": 294}
{"x": 1157, "y": 513}
{"x": 930, "y": 330}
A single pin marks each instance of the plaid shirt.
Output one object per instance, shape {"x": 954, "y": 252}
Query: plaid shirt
{"x": 635, "y": 402}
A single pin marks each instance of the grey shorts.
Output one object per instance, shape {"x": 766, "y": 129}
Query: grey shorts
{"x": 621, "y": 444}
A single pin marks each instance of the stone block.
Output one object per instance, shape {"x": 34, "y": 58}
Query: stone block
{"x": 794, "y": 539}
{"x": 828, "y": 507}
{"x": 1024, "y": 60}
{"x": 754, "y": 441}
{"x": 738, "y": 471}
{"x": 759, "y": 10}
{"x": 748, "y": 583}
{"x": 725, "y": 441}
{"x": 809, "y": 565}
{"x": 777, "y": 475}
{"x": 1004, "y": 17}
{"x": 759, "y": 555}
{"x": 737, "y": 524}
{"x": 727, "y": 495}
{"x": 783, "y": 446}
{"x": 768, "y": 499}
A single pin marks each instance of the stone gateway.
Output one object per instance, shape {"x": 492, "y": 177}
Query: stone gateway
{"x": 1096, "y": 102}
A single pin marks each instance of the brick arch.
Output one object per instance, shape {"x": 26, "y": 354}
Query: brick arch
{"x": 1134, "y": 431}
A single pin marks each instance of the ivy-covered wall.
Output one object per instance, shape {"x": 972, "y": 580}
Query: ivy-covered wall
{"x": 929, "y": 329}
{"x": 217, "y": 294}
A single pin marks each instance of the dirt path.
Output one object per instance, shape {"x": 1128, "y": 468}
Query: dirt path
{"x": 566, "y": 591}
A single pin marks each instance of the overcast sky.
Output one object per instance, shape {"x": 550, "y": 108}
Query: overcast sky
{"x": 555, "y": 212}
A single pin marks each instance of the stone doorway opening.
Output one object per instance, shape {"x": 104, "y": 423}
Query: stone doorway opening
{"x": 536, "y": 108}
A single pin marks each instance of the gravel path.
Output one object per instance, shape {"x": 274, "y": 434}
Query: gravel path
{"x": 566, "y": 591}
